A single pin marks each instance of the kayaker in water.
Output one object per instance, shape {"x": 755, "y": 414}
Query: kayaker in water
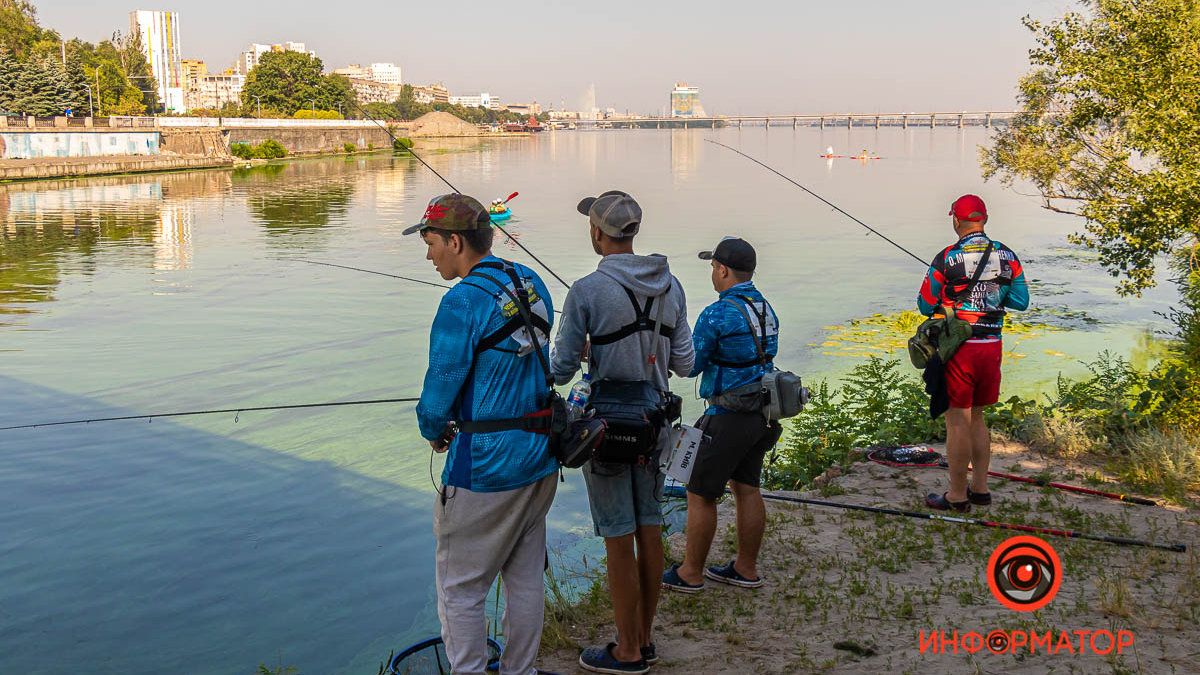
{"x": 498, "y": 206}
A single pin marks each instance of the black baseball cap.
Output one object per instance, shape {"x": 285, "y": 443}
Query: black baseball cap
{"x": 734, "y": 253}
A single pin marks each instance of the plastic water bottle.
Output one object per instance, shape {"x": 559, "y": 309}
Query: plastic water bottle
{"x": 577, "y": 400}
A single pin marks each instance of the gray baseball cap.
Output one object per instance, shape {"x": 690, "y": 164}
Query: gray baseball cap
{"x": 614, "y": 212}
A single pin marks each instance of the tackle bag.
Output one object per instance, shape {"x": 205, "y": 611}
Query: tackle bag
{"x": 779, "y": 394}
{"x": 634, "y": 416}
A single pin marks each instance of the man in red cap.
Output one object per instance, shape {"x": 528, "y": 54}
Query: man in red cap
{"x": 978, "y": 278}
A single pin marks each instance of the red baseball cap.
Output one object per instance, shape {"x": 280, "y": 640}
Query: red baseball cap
{"x": 969, "y": 207}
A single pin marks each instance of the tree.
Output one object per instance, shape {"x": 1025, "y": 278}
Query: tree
{"x": 19, "y": 30}
{"x": 136, "y": 68}
{"x": 1109, "y": 128}
{"x": 1108, "y": 131}
{"x": 290, "y": 81}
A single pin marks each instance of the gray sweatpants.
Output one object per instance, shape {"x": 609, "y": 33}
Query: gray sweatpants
{"x": 480, "y": 535}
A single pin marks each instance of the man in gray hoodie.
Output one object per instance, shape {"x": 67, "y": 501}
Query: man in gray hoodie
{"x": 629, "y": 319}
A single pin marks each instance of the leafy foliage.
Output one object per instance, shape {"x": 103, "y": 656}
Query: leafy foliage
{"x": 35, "y": 81}
{"x": 307, "y": 114}
{"x": 268, "y": 149}
{"x": 291, "y": 81}
{"x": 1109, "y": 128}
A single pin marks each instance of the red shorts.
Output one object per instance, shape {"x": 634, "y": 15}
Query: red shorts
{"x": 973, "y": 374}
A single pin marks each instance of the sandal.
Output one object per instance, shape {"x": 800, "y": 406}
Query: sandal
{"x": 728, "y": 575}
{"x": 940, "y": 503}
{"x": 671, "y": 580}
{"x": 601, "y": 660}
{"x": 979, "y": 498}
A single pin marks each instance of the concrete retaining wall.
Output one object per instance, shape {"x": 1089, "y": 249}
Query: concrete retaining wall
{"x": 93, "y": 166}
{"x": 35, "y": 144}
{"x": 314, "y": 141}
{"x": 197, "y": 142}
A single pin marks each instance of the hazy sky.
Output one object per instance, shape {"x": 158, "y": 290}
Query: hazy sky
{"x": 746, "y": 56}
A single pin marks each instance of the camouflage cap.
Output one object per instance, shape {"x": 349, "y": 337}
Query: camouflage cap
{"x": 453, "y": 212}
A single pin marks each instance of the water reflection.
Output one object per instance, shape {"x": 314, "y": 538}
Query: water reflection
{"x": 287, "y": 199}
{"x": 685, "y": 153}
{"x": 46, "y": 226}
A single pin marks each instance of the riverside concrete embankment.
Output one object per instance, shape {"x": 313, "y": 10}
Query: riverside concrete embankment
{"x": 67, "y": 147}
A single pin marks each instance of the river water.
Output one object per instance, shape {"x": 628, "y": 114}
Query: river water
{"x": 210, "y": 544}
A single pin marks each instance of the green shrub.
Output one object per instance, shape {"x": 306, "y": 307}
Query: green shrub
{"x": 349, "y": 148}
{"x": 402, "y": 144}
{"x": 268, "y": 149}
{"x": 876, "y": 405}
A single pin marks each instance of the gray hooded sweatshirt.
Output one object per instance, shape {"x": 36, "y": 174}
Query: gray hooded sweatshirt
{"x": 597, "y": 305}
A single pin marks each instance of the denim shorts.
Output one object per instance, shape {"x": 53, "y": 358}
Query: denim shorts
{"x": 624, "y": 497}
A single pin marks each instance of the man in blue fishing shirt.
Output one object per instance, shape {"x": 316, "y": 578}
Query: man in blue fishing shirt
{"x": 488, "y": 372}
{"x": 736, "y": 340}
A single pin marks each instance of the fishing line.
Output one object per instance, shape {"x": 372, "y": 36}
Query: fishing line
{"x": 235, "y": 411}
{"x": 1069, "y": 534}
{"x": 829, "y": 203}
{"x": 382, "y": 274}
{"x": 450, "y": 185}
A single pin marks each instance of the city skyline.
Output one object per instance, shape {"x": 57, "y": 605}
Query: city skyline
{"x": 764, "y": 58}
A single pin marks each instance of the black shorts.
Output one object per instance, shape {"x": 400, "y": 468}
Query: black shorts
{"x": 739, "y": 442}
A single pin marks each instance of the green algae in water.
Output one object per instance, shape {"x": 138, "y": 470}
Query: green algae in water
{"x": 884, "y": 334}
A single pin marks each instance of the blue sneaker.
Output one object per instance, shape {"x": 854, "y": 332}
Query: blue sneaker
{"x": 672, "y": 580}
{"x": 601, "y": 660}
{"x": 726, "y": 574}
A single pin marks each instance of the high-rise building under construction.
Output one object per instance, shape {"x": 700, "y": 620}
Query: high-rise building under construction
{"x": 159, "y": 33}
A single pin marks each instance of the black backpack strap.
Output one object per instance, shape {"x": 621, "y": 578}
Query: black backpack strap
{"x": 966, "y": 292}
{"x": 517, "y": 322}
{"x": 641, "y": 322}
{"x": 521, "y": 299}
{"x": 760, "y": 339}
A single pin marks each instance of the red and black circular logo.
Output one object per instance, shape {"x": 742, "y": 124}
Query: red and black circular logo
{"x": 1024, "y": 573}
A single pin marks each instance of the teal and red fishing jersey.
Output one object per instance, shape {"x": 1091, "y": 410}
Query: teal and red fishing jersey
{"x": 1001, "y": 285}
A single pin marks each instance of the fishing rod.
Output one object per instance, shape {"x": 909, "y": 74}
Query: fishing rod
{"x": 1043, "y": 482}
{"x": 678, "y": 490}
{"x": 235, "y": 411}
{"x": 382, "y": 274}
{"x": 916, "y": 456}
{"x": 835, "y": 207}
{"x": 408, "y": 148}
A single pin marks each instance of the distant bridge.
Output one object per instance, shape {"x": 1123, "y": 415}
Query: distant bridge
{"x": 985, "y": 118}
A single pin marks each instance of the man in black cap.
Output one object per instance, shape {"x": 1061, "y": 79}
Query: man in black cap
{"x": 633, "y": 313}
{"x": 736, "y": 339}
{"x": 499, "y": 479}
